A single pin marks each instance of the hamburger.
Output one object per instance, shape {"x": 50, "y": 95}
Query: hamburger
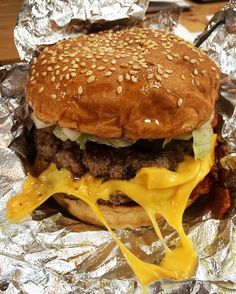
{"x": 123, "y": 136}
{"x": 114, "y": 103}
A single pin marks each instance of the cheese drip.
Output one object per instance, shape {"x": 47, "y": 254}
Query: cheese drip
{"x": 157, "y": 190}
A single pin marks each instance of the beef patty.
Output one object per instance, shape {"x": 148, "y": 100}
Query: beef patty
{"x": 106, "y": 161}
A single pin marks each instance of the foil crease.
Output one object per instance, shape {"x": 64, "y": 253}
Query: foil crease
{"x": 45, "y": 22}
{"x": 50, "y": 253}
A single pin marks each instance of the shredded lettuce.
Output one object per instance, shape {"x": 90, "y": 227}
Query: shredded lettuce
{"x": 81, "y": 139}
{"x": 58, "y": 132}
{"x": 202, "y": 140}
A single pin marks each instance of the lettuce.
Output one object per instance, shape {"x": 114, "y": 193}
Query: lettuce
{"x": 81, "y": 139}
{"x": 202, "y": 140}
{"x": 58, "y": 132}
{"x": 116, "y": 143}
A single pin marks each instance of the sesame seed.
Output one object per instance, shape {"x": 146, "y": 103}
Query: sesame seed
{"x": 193, "y": 82}
{"x": 41, "y": 89}
{"x": 144, "y": 65}
{"x": 127, "y": 76}
{"x": 57, "y": 85}
{"x": 44, "y": 61}
{"x": 57, "y": 66}
{"x": 49, "y": 68}
{"x": 75, "y": 66}
{"x": 150, "y": 76}
{"x": 193, "y": 61}
{"x": 186, "y": 57}
{"x": 83, "y": 70}
{"x": 158, "y": 77}
{"x": 169, "y": 57}
{"x": 67, "y": 76}
{"x": 77, "y": 59}
{"x": 113, "y": 61}
{"x": 83, "y": 64}
{"x": 93, "y": 66}
{"x": 169, "y": 71}
{"x": 175, "y": 55}
{"x": 108, "y": 73}
{"x": 195, "y": 71}
{"x": 73, "y": 74}
{"x": 213, "y": 68}
{"x": 80, "y": 90}
{"x": 119, "y": 89}
{"x": 112, "y": 68}
{"x": 160, "y": 71}
{"x": 88, "y": 73}
{"x": 32, "y": 78}
{"x": 101, "y": 68}
{"x": 90, "y": 79}
{"x": 182, "y": 77}
{"x": 120, "y": 78}
{"x": 124, "y": 65}
{"x": 54, "y": 96}
{"x": 197, "y": 82}
{"x": 165, "y": 76}
{"x": 180, "y": 102}
{"x": 44, "y": 73}
{"x": 136, "y": 66}
{"x": 134, "y": 79}
{"x": 203, "y": 72}
{"x": 33, "y": 82}
{"x": 130, "y": 62}
{"x": 53, "y": 78}
{"x": 133, "y": 72}
{"x": 65, "y": 68}
{"x": 37, "y": 74}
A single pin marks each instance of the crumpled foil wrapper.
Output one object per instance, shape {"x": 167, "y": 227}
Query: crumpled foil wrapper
{"x": 46, "y": 22}
{"x": 50, "y": 253}
{"x": 219, "y": 41}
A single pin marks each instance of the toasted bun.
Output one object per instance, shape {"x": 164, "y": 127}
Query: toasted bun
{"x": 134, "y": 83}
{"x": 117, "y": 217}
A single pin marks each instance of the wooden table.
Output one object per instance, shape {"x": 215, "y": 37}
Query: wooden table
{"x": 195, "y": 20}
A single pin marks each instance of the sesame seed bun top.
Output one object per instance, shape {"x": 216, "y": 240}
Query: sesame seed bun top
{"x": 134, "y": 83}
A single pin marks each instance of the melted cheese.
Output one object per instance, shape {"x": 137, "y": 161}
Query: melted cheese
{"x": 157, "y": 190}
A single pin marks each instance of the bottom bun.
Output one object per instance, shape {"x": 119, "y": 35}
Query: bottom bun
{"x": 117, "y": 217}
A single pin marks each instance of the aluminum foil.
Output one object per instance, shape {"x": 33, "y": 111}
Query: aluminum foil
{"x": 50, "y": 253}
{"x": 219, "y": 41}
{"x": 46, "y": 22}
